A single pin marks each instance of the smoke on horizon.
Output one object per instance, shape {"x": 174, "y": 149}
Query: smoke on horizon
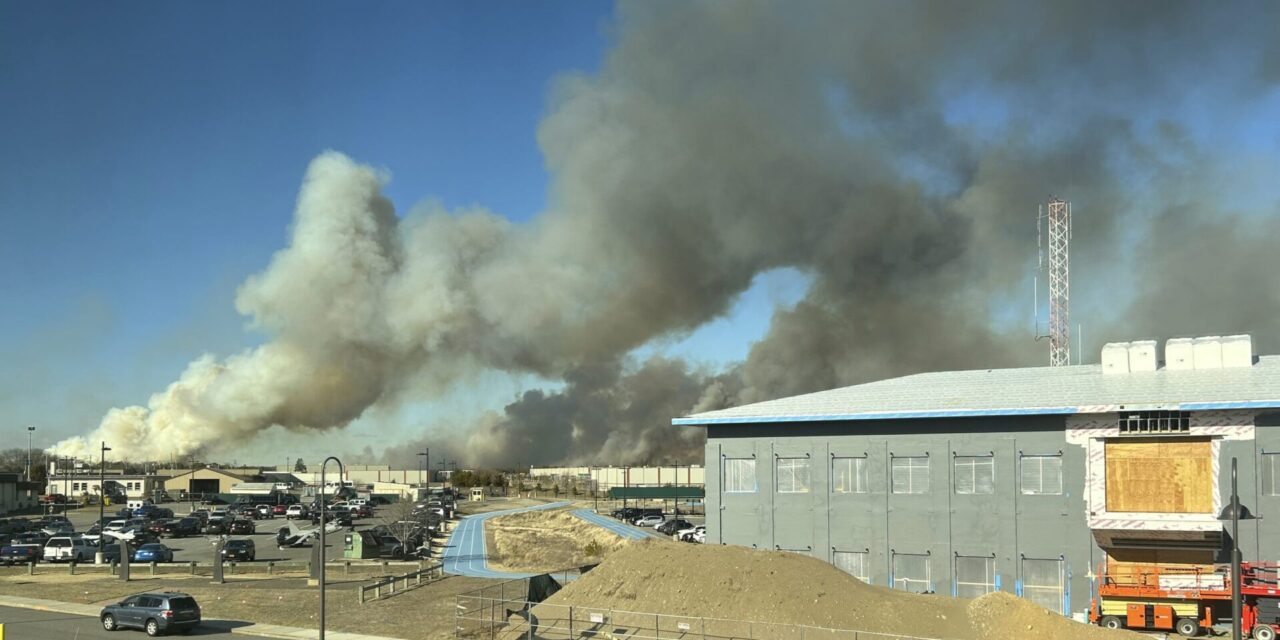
{"x": 895, "y": 152}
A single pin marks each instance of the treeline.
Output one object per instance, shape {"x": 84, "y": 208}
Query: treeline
{"x": 478, "y": 478}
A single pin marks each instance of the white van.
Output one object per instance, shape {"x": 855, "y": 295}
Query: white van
{"x": 68, "y": 548}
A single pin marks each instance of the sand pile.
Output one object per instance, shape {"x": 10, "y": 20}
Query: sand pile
{"x": 548, "y": 540}
{"x": 769, "y": 586}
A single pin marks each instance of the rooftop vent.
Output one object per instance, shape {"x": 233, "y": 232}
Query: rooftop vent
{"x": 1142, "y": 355}
{"x": 1115, "y": 357}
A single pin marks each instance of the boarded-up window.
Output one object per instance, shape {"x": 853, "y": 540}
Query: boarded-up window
{"x": 853, "y": 563}
{"x": 849, "y": 475}
{"x": 975, "y": 474}
{"x": 1042, "y": 475}
{"x": 975, "y": 576}
{"x": 1044, "y": 582}
{"x": 911, "y": 572}
{"x": 739, "y": 475}
{"x": 1160, "y": 476}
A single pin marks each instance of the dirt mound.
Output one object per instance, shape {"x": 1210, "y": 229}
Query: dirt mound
{"x": 777, "y": 587}
{"x": 537, "y": 541}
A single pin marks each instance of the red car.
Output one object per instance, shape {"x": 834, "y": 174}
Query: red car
{"x": 279, "y": 509}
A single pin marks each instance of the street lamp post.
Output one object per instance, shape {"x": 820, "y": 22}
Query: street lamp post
{"x": 324, "y": 510}
{"x": 102, "y": 498}
{"x": 1235, "y": 512}
{"x": 426, "y": 465}
{"x": 30, "y": 430}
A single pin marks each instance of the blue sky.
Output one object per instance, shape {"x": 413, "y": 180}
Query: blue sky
{"x": 153, "y": 151}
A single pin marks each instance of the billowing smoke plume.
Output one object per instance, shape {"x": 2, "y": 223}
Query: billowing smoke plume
{"x": 894, "y": 151}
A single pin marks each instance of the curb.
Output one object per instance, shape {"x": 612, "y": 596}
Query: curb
{"x": 250, "y": 629}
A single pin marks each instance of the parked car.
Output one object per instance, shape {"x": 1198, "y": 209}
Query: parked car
{"x": 649, "y": 521}
{"x": 241, "y": 527}
{"x": 671, "y": 526}
{"x": 156, "y": 613}
{"x": 68, "y": 548}
{"x": 263, "y": 511}
{"x": 296, "y": 511}
{"x": 156, "y": 526}
{"x": 20, "y": 553}
{"x": 216, "y": 525}
{"x": 239, "y": 550}
{"x": 58, "y": 529}
{"x": 181, "y": 527}
{"x": 279, "y": 509}
{"x": 687, "y": 535}
{"x": 153, "y": 552}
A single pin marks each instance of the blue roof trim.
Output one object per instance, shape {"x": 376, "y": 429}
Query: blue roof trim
{"x": 893, "y": 415}
{"x": 1246, "y": 404}
{"x": 959, "y": 413}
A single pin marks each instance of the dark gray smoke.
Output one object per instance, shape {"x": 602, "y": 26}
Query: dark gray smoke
{"x": 895, "y": 151}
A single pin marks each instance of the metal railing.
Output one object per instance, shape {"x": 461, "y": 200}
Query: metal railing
{"x": 502, "y": 612}
{"x": 431, "y": 573}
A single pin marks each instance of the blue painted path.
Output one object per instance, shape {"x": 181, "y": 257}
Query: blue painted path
{"x": 615, "y": 526}
{"x": 465, "y": 553}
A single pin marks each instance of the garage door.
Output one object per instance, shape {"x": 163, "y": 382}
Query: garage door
{"x": 204, "y": 486}
{"x": 1154, "y": 476}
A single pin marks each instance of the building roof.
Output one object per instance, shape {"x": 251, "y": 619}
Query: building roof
{"x": 233, "y": 476}
{"x": 1029, "y": 391}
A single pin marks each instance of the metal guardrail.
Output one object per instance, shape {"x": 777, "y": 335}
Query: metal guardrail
{"x": 502, "y": 612}
{"x": 270, "y": 567}
{"x": 431, "y": 573}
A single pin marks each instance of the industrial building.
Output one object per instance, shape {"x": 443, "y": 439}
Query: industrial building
{"x": 1028, "y": 480}
{"x": 602, "y": 479}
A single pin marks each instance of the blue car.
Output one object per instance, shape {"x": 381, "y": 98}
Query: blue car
{"x": 153, "y": 552}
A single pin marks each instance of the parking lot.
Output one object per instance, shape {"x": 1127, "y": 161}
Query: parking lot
{"x": 200, "y": 548}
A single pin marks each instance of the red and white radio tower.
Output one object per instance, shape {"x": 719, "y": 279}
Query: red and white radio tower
{"x": 1058, "y": 217}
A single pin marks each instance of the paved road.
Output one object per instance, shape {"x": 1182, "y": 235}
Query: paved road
{"x": 616, "y": 526}
{"x": 465, "y": 552}
{"x": 28, "y": 624}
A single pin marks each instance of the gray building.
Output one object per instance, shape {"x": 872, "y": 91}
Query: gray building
{"x": 1032, "y": 481}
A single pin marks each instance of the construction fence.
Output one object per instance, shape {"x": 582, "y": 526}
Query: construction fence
{"x": 506, "y": 611}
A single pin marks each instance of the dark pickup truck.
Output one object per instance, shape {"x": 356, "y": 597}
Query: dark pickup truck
{"x": 20, "y": 554}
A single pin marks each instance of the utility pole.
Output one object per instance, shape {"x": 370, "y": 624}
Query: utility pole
{"x": 102, "y": 499}
{"x": 426, "y": 465}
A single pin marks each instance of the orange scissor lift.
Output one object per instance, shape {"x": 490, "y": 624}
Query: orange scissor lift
{"x": 1260, "y": 592}
{"x": 1160, "y": 599}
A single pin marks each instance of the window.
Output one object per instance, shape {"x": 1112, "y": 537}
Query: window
{"x": 975, "y": 474}
{"x": 1044, "y": 582}
{"x": 849, "y": 475}
{"x": 1270, "y": 474}
{"x": 911, "y": 475}
{"x": 1144, "y": 423}
{"x": 793, "y": 475}
{"x": 740, "y": 475}
{"x": 853, "y": 563}
{"x": 911, "y": 572}
{"x": 975, "y": 576}
{"x": 1042, "y": 475}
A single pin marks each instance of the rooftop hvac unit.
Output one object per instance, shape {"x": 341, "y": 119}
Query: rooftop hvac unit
{"x": 1115, "y": 357}
{"x": 1179, "y": 354}
{"x": 1237, "y": 351}
{"x": 1142, "y": 355}
{"x": 1208, "y": 352}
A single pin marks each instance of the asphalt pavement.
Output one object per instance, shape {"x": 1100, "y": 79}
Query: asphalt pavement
{"x": 28, "y": 624}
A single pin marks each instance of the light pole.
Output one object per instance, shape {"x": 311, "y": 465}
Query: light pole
{"x": 102, "y": 498}
{"x": 324, "y": 510}
{"x": 426, "y": 465}
{"x": 1235, "y": 512}
{"x": 30, "y": 430}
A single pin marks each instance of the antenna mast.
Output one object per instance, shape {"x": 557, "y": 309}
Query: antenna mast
{"x": 1058, "y": 218}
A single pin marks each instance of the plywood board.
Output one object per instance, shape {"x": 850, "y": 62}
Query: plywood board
{"x": 1160, "y": 476}
{"x": 1126, "y": 565}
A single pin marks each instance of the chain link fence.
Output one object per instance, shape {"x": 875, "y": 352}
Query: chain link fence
{"x": 504, "y": 612}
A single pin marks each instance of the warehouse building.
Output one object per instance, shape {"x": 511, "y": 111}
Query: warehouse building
{"x": 1031, "y": 481}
